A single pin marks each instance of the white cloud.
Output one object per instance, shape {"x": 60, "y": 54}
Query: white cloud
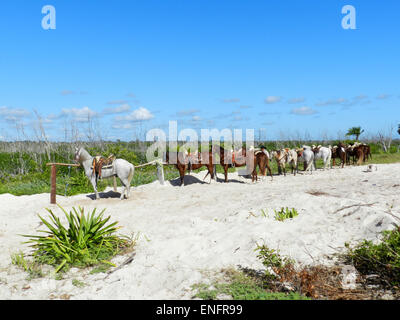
{"x": 296, "y": 100}
{"x": 121, "y": 109}
{"x": 331, "y": 102}
{"x": 302, "y": 111}
{"x": 67, "y": 92}
{"x": 231, "y": 100}
{"x": 360, "y": 97}
{"x": 117, "y": 102}
{"x": 196, "y": 118}
{"x": 13, "y": 114}
{"x": 81, "y": 115}
{"x": 383, "y": 96}
{"x": 187, "y": 112}
{"x": 141, "y": 114}
{"x": 272, "y": 99}
{"x": 122, "y": 126}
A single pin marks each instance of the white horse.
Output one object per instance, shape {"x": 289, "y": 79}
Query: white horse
{"x": 307, "y": 155}
{"x": 120, "y": 168}
{"x": 292, "y": 159}
{"x": 323, "y": 153}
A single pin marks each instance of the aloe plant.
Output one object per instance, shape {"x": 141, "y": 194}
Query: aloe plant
{"x": 87, "y": 240}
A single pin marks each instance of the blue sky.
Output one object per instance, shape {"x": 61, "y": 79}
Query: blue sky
{"x": 287, "y": 68}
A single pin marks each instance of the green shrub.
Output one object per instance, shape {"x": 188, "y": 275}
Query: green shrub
{"x": 382, "y": 258}
{"x": 272, "y": 260}
{"x": 285, "y": 213}
{"x": 87, "y": 240}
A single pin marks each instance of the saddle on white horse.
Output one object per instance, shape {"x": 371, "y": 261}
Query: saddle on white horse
{"x": 100, "y": 162}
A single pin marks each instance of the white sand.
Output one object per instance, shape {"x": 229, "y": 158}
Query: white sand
{"x": 192, "y": 231}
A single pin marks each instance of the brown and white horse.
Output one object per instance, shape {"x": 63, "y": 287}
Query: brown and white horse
{"x": 229, "y": 159}
{"x": 186, "y": 162}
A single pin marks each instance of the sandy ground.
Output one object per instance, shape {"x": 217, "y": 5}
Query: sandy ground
{"x": 188, "y": 233}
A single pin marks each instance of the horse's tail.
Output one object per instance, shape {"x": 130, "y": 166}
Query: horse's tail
{"x": 130, "y": 176}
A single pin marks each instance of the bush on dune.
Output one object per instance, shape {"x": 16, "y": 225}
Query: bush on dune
{"x": 87, "y": 241}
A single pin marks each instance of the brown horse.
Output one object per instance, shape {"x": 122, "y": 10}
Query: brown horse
{"x": 187, "y": 162}
{"x": 339, "y": 152}
{"x": 228, "y": 159}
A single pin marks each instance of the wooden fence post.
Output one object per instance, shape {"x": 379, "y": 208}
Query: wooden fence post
{"x": 53, "y": 190}
{"x": 53, "y": 180}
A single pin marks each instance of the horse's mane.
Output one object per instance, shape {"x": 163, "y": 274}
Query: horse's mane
{"x": 84, "y": 154}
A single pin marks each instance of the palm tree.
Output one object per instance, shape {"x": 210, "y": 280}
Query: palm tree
{"x": 355, "y": 131}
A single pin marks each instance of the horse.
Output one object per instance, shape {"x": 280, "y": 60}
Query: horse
{"x": 121, "y": 168}
{"x": 229, "y": 159}
{"x": 323, "y": 153}
{"x": 187, "y": 162}
{"x": 307, "y": 155}
{"x": 339, "y": 151}
{"x": 292, "y": 158}
{"x": 281, "y": 157}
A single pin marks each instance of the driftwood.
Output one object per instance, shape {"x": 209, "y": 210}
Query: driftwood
{"x": 355, "y": 205}
{"x": 127, "y": 261}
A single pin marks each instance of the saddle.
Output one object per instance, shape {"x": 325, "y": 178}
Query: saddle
{"x": 99, "y": 162}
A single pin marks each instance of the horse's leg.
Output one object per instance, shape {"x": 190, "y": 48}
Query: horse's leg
{"x": 93, "y": 180}
{"x": 269, "y": 170}
{"x": 115, "y": 183}
{"x": 123, "y": 190}
{"x": 182, "y": 175}
{"x": 126, "y": 190}
{"x": 261, "y": 166}
{"x": 226, "y": 172}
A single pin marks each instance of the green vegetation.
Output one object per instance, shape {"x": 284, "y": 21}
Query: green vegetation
{"x": 381, "y": 258}
{"x": 87, "y": 241}
{"x": 78, "y": 283}
{"x": 33, "y": 269}
{"x": 23, "y": 169}
{"x": 240, "y": 286}
{"x": 249, "y": 285}
{"x": 355, "y": 131}
{"x": 285, "y": 213}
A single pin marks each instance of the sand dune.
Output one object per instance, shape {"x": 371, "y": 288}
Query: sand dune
{"x": 187, "y": 232}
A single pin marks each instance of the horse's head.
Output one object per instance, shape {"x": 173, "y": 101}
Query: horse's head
{"x": 77, "y": 154}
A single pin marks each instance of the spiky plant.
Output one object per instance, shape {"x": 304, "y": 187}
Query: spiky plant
{"x": 87, "y": 240}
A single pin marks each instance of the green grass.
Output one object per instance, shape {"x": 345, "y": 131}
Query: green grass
{"x": 33, "y": 269}
{"x": 382, "y": 258}
{"x": 78, "y": 283}
{"x": 239, "y": 286}
{"x": 382, "y": 158}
